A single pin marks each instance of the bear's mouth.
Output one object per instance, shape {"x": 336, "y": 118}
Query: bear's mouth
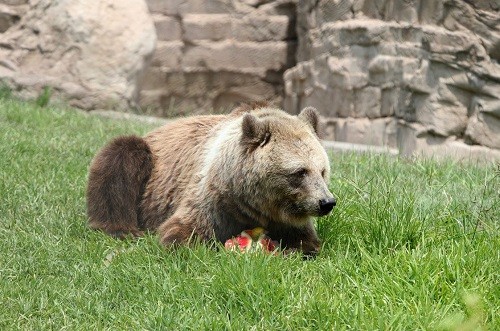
{"x": 300, "y": 211}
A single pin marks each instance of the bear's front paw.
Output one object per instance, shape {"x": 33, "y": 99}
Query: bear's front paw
{"x": 309, "y": 252}
{"x": 310, "y": 249}
{"x": 128, "y": 234}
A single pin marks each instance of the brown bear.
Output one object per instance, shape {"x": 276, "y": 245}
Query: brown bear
{"x": 211, "y": 177}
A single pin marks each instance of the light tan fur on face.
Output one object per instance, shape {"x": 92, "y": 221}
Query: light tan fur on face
{"x": 293, "y": 146}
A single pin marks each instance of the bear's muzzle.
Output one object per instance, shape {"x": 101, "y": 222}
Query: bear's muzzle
{"x": 326, "y": 206}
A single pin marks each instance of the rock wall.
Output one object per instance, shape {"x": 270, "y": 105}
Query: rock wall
{"x": 213, "y": 54}
{"x": 419, "y": 75}
{"x": 90, "y": 53}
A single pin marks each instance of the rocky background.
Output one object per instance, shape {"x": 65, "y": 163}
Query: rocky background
{"x": 90, "y": 53}
{"x": 419, "y": 75}
{"x": 212, "y": 54}
{"x": 414, "y": 75}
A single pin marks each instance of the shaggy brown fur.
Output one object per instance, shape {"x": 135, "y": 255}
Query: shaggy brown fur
{"x": 215, "y": 176}
{"x": 118, "y": 175}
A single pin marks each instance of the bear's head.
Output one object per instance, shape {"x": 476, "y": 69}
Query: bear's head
{"x": 284, "y": 166}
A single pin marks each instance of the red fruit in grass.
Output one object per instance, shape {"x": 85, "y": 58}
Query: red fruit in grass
{"x": 268, "y": 245}
{"x": 252, "y": 240}
{"x": 229, "y": 244}
{"x": 244, "y": 242}
{"x": 239, "y": 242}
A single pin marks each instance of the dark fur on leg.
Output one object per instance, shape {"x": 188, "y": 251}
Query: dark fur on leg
{"x": 117, "y": 178}
{"x": 174, "y": 232}
{"x": 292, "y": 239}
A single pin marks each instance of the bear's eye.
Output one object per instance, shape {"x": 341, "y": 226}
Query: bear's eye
{"x": 302, "y": 172}
{"x": 323, "y": 173}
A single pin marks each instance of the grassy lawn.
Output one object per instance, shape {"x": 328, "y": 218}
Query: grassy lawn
{"x": 412, "y": 244}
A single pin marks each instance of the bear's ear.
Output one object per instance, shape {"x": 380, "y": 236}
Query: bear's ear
{"x": 254, "y": 131}
{"x": 311, "y": 116}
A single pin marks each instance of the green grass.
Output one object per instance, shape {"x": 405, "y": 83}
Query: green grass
{"x": 413, "y": 244}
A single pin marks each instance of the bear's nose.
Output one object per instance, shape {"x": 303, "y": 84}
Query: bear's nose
{"x": 326, "y": 205}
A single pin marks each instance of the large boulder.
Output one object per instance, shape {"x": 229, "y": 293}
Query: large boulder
{"x": 91, "y": 53}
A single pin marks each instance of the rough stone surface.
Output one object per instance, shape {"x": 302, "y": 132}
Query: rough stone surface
{"x": 7, "y": 17}
{"x": 413, "y": 140}
{"x": 378, "y": 132}
{"x": 484, "y": 129}
{"x": 237, "y": 56}
{"x": 207, "y": 27}
{"x": 173, "y": 93}
{"x": 91, "y": 54}
{"x": 167, "y": 28}
{"x": 167, "y": 54}
{"x": 212, "y": 55}
{"x": 430, "y": 68}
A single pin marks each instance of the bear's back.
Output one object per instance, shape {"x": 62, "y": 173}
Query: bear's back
{"x": 177, "y": 148}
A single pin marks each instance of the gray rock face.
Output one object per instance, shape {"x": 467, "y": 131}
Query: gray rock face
{"x": 427, "y": 69}
{"x": 90, "y": 53}
{"x": 213, "y": 54}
